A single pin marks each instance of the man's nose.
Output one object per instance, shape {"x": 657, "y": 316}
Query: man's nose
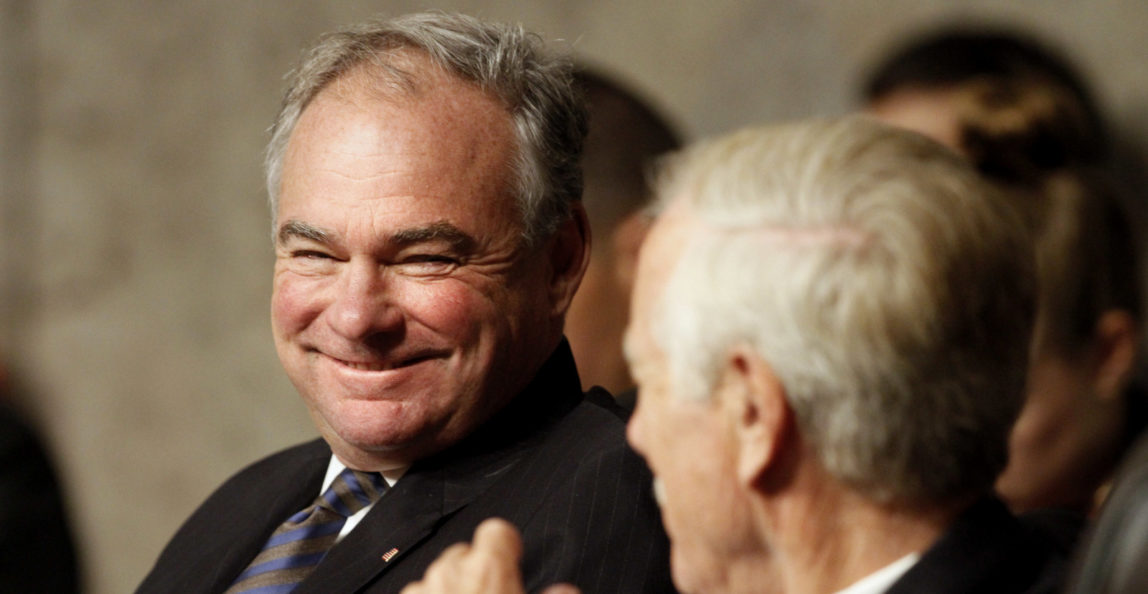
{"x": 365, "y": 302}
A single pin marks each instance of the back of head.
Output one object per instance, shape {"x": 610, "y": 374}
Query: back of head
{"x": 626, "y": 134}
{"x": 504, "y": 60}
{"x": 1026, "y": 123}
{"x": 885, "y": 283}
{"x": 1021, "y": 134}
{"x": 1086, "y": 258}
{"x": 956, "y": 57}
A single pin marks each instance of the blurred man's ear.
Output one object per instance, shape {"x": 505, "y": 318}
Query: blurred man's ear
{"x": 759, "y": 413}
{"x": 569, "y": 252}
{"x": 1115, "y": 344}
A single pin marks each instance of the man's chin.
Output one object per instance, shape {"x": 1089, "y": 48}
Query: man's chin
{"x": 381, "y": 443}
{"x": 372, "y": 454}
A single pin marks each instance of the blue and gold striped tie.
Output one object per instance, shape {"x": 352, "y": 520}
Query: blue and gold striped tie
{"x": 300, "y": 543}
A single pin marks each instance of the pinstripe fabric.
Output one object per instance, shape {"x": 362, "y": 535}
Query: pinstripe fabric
{"x": 300, "y": 543}
{"x": 553, "y": 462}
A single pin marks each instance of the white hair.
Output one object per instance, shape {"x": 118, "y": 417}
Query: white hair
{"x": 887, "y": 286}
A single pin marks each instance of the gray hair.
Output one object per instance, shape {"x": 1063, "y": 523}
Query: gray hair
{"x": 503, "y": 60}
{"x": 888, "y": 287}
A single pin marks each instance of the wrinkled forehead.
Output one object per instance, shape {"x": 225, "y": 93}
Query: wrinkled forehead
{"x": 448, "y": 124}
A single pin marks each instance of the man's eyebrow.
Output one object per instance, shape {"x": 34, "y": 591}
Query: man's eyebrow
{"x": 437, "y": 231}
{"x": 299, "y": 229}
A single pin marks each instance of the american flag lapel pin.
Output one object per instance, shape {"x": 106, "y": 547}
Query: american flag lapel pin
{"x": 387, "y": 556}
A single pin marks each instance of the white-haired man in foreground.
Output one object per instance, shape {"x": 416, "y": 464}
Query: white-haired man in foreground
{"x": 830, "y": 332}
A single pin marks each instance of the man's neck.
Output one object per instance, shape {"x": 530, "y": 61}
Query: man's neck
{"x": 835, "y": 537}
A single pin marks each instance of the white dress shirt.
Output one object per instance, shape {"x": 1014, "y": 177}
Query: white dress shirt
{"x": 881, "y": 580}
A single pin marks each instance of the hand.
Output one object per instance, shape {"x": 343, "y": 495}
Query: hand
{"x": 488, "y": 566}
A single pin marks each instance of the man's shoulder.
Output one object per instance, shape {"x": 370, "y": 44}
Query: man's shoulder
{"x": 591, "y": 434}
{"x": 286, "y": 471}
{"x": 274, "y": 469}
{"x": 601, "y": 417}
{"x": 581, "y": 465}
{"x": 226, "y": 530}
{"x": 582, "y": 499}
{"x": 988, "y": 549}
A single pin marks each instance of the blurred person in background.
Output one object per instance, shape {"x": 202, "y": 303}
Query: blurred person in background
{"x": 1027, "y": 122}
{"x": 37, "y": 548}
{"x": 626, "y": 134}
{"x": 915, "y": 86}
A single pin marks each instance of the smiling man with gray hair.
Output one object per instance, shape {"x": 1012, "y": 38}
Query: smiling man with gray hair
{"x": 429, "y": 236}
{"x": 830, "y": 332}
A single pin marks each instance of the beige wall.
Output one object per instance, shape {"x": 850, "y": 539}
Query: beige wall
{"x": 134, "y": 261}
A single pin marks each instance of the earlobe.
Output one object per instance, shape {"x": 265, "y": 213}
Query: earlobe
{"x": 759, "y": 413}
{"x": 569, "y": 257}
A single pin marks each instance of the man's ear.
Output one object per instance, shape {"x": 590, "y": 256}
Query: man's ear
{"x": 569, "y": 257}
{"x": 1116, "y": 341}
{"x": 758, "y": 412}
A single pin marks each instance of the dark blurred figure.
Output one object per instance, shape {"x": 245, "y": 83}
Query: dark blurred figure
{"x": 915, "y": 80}
{"x": 1027, "y": 122}
{"x": 1115, "y": 561}
{"x": 916, "y": 86}
{"x": 625, "y": 135}
{"x": 37, "y": 553}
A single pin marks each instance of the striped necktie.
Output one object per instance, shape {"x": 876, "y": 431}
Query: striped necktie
{"x": 300, "y": 543}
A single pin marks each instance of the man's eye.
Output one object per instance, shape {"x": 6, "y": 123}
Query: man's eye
{"x": 430, "y": 259}
{"x": 428, "y": 264}
{"x": 310, "y": 255}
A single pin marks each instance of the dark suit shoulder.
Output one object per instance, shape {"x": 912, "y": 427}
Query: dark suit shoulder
{"x": 37, "y": 552}
{"x": 230, "y": 526}
{"x": 281, "y": 472}
{"x": 987, "y": 549}
{"x": 598, "y": 526}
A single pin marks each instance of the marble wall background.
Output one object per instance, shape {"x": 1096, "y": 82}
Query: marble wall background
{"x": 134, "y": 252}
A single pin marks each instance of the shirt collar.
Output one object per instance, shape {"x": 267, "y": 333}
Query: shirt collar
{"x": 334, "y": 467}
{"x": 881, "y": 580}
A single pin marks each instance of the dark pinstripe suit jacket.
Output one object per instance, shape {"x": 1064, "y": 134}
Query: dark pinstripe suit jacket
{"x": 554, "y": 462}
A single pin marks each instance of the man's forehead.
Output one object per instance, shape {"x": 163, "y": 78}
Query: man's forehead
{"x": 659, "y": 256}
{"x": 663, "y": 243}
{"x": 453, "y": 147}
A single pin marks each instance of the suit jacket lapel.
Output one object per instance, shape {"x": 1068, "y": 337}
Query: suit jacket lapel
{"x": 406, "y": 516}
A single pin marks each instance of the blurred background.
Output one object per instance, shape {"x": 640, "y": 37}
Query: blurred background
{"x": 134, "y": 240}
